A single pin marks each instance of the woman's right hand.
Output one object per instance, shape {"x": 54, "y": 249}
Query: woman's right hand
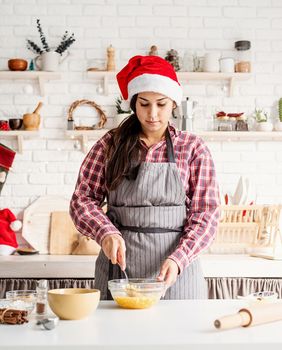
{"x": 114, "y": 248}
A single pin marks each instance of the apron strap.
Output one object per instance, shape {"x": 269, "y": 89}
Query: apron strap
{"x": 169, "y": 147}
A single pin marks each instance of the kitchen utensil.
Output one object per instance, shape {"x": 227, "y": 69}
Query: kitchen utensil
{"x": 36, "y": 221}
{"x": 73, "y": 303}
{"x": 48, "y": 323}
{"x": 251, "y": 316}
{"x": 63, "y": 234}
{"x": 265, "y": 296}
{"x": 22, "y": 299}
{"x": 31, "y": 121}
{"x": 26, "y": 251}
{"x": 15, "y": 123}
{"x": 17, "y": 64}
{"x": 136, "y": 293}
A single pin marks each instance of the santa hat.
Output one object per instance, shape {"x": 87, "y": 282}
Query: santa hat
{"x": 8, "y": 224}
{"x": 149, "y": 73}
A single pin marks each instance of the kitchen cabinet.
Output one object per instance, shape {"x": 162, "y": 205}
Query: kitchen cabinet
{"x": 230, "y": 78}
{"x": 40, "y": 76}
{"x": 19, "y": 135}
{"x": 172, "y": 324}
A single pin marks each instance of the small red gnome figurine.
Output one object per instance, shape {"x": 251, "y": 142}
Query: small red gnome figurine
{"x": 8, "y": 225}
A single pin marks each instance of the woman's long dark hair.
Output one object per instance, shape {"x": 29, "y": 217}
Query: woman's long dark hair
{"x": 123, "y": 149}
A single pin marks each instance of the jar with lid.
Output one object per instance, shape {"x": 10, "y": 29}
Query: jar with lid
{"x": 41, "y": 298}
{"x": 244, "y": 58}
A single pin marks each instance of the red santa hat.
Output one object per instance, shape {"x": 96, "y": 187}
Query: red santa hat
{"x": 149, "y": 73}
{"x": 8, "y": 225}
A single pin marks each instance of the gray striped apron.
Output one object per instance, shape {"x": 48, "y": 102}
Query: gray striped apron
{"x": 150, "y": 212}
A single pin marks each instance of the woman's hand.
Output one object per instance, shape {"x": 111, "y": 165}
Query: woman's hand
{"x": 114, "y": 248}
{"x": 169, "y": 272}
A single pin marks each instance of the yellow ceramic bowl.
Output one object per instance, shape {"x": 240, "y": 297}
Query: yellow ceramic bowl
{"x": 73, "y": 303}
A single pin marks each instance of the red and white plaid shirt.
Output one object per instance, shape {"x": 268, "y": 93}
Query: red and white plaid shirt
{"x": 197, "y": 172}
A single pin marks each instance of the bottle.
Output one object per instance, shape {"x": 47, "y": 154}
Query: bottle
{"x": 41, "y": 298}
{"x": 243, "y": 61}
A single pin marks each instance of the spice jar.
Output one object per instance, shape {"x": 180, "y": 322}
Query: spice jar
{"x": 243, "y": 60}
{"x": 41, "y": 298}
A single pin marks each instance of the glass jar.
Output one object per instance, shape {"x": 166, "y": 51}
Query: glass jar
{"x": 41, "y": 298}
{"x": 244, "y": 57}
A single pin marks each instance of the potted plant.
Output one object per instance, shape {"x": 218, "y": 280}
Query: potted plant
{"x": 262, "y": 122}
{"x": 123, "y": 111}
{"x": 278, "y": 124}
{"x": 50, "y": 58}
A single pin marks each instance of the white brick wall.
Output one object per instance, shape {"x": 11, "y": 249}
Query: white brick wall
{"x": 49, "y": 165}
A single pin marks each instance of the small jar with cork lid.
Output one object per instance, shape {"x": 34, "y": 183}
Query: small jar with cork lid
{"x": 244, "y": 57}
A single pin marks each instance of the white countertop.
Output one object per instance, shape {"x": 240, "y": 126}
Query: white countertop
{"x": 172, "y": 325}
{"x": 82, "y": 266}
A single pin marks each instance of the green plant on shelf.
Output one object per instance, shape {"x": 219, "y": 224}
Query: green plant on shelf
{"x": 280, "y": 109}
{"x": 122, "y": 107}
{"x": 260, "y": 116}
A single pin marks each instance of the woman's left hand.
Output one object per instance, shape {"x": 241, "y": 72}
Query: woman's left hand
{"x": 169, "y": 272}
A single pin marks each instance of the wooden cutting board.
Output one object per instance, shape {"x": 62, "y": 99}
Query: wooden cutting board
{"x": 63, "y": 234}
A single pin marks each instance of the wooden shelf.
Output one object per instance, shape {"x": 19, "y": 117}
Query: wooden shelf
{"x": 20, "y": 135}
{"x": 231, "y": 78}
{"x": 40, "y": 76}
{"x": 84, "y": 135}
{"x": 240, "y": 135}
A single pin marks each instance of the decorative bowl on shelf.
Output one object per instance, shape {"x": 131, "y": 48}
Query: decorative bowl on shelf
{"x": 136, "y": 293}
{"x": 15, "y": 123}
{"x": 17, "y": 64}
{"x": 73, "y": 303}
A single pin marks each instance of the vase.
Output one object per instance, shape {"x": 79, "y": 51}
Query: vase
{"x": 264, "y": 126}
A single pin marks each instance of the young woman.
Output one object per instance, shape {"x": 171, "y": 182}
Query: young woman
{"x": 160, "y": 185}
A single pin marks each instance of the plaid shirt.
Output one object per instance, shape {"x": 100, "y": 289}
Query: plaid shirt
{"x": 197, "y": 173}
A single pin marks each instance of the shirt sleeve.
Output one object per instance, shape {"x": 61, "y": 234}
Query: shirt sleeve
{"x": 202, "y": 203}
{"x": 90, "y": 192}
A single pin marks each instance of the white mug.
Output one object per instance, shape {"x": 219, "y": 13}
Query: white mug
{"x": 49, "y": 61}
{"x": 227, "y": 64}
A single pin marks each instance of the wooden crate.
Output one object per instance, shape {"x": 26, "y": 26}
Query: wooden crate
{"x": 243, "y": 229}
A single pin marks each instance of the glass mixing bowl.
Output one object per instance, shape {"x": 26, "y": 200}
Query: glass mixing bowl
{"x": 136, "y": 293}
{"x": 22, "y": 299}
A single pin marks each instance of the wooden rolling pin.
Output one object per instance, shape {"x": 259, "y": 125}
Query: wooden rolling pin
{"x": 251, "y": 316}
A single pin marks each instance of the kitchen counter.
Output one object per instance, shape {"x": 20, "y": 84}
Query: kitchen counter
{"x": 82, "y": 266}
{"x": 172, "y": 325}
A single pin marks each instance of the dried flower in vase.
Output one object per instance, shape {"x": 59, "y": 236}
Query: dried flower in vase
{"x": 66, "y": 41}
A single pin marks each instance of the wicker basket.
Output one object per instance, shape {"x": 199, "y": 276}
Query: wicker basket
{"x": 244, "y": 228}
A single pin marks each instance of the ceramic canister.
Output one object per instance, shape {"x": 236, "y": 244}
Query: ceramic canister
{"x": 211, "y": 62}
{"x": 227, "y": 64}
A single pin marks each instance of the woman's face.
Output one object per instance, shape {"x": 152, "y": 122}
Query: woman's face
{"x": 153, "y": 111}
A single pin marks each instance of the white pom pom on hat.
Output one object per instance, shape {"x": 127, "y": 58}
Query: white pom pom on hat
{"x": 16, "y": 225}
{"x": 149, "y": 73}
